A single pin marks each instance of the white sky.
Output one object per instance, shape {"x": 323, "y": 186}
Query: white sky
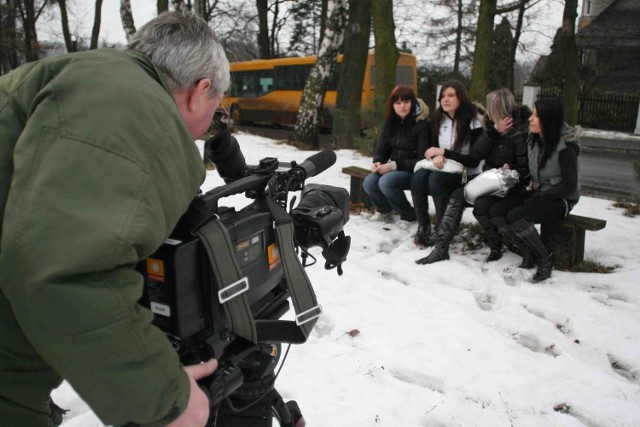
{"x": 460, "y": 342}
{"x": 548, "y": 19}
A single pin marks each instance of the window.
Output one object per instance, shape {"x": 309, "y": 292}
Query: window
{"x": 292, "y": 77}
{"x": 587, "y": 7}
{"x": 248, "y": 84}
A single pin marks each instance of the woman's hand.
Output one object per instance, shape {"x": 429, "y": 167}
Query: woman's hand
{"x": 439, "y": 161}
{"x": 433, "y": 152}
{"x": 375, "y": 166}
{"x": 504, "y": 125}
{"x": 385, "y": 168}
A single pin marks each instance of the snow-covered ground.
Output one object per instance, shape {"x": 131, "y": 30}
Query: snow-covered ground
{"x": 460, "y": 342}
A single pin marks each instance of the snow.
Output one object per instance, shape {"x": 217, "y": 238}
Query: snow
{"x": 460, "y": 342}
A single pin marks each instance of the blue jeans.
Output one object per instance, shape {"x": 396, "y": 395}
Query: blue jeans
{"x": 437, "y": 184}
{"x": 387, "y": 193}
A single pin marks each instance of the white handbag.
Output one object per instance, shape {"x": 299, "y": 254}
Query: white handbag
{"x": 492, "y": 182}
{"x": 450, "y": 166}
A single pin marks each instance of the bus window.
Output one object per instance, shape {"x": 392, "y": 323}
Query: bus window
{"x": 404, "y": 75}
{"x": 291, "y": 77}
{"x": 248, "y": 84}
{"x": 266, "y": 84}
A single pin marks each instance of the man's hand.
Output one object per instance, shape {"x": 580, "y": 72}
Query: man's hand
{"x": 196, "y": 413}
{"x": 385, "y": 168}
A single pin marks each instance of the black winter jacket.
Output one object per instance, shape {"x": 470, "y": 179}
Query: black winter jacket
{"x": 511, "y": 148}
{"x": 405, "y": 143}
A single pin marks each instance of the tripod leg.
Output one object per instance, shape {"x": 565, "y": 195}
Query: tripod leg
{"x": 288, "y": 414}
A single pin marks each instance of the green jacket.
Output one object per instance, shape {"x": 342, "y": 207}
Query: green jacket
{"x": 96, "y": 167}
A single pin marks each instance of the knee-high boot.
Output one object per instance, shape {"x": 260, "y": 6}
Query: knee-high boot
{"x": 421, "y": 206}
{"x": 528, "y": 259}
{"x": 445, "y": 232}
{"x": 440, "y": 205}
{"x": 528, "y": 233}
{"x": 492, "y": 236}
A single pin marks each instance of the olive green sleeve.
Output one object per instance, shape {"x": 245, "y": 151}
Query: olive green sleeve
{"x": 77, "y": 220}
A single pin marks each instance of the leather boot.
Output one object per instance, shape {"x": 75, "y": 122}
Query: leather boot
{"x": 528, "y": 233}
{"x": 421, "y": 206}
{"x": 440, "y": 205}
{"x": 528, "y": 259}
{"x": 445, "y": 232}
{"x": 492, "y": 237}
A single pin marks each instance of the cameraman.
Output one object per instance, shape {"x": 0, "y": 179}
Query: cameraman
{"x": 97, "y": 163}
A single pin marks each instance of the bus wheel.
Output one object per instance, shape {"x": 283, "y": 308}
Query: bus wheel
{"x": 236, "y": 115}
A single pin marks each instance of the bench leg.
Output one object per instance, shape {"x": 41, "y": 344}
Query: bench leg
{"x": 566, "y": 243}
{"x": 357, "y": 193}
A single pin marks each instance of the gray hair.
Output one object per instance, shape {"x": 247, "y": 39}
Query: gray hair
{"x": 185, "y": 49}
{"x": 500, "y": 103}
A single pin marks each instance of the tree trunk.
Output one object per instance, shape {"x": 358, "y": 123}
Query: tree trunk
{"x": 482, "y": 53}
{"x": 458, "y": 51}
{"x": 263, "y": 29}
{"x": 347, "y": 120}
{"x": 127, "y": 18}
{"x": 9, "y": 46}
{"x": 308, "y": 123}
{"x": 517, "y": 32}
{"x": 571, "y": 62}
{"x": 162, "y": 6}
{"x": 386, "y": 56}
{"x": 28, "y": 15}
{"x": 95, "y": 34}
{"x": 71, "y": 47}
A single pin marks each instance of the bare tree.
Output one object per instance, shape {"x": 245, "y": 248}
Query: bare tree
{"x": 127, "y": 18}
{"x": 70, "y": 45}
{"x": 96, "y": 25}
{"x": 347, "y": 120}
{"x": 572, "y": 61}
{"x": 308, "y": 123}
{"x": 386, "y": 55}
{"x": 162, "y": 6}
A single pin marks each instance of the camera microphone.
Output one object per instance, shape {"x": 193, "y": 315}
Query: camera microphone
{"x": 315, "y": 164}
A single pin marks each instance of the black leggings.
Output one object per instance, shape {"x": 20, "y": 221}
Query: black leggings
{"x": 520, "y": 204}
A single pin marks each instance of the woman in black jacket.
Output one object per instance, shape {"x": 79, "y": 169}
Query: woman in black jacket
{"x": 454, "y": 130}
{"x": 403, "y": 141}
{"x": 506, "y": 130}
{"x": 495, "y": 152}
{"x": 553, "y": 148}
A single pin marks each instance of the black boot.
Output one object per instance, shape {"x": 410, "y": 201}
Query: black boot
{"x": 493, "y": 238}
{"x": 528, "y": 259}
{"x": 440, "y": 205}
{"x": 528, "y": 233}
{"x": 421, "y": 206}
{"x": 445, "y": 232}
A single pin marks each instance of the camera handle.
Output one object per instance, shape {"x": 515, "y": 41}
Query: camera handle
{"x": 232, "y": 286}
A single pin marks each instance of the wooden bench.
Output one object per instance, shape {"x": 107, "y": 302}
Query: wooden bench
{"x": 566, "y": 239}
{"x": 357, "y": 193}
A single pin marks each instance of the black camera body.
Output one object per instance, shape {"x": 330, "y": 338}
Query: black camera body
{"x": 181, "y": 290}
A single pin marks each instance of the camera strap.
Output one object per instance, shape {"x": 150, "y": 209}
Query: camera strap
{"x": 228, "y": 278}
{"x": 231, "y": 284}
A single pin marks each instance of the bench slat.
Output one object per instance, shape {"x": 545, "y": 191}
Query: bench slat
{"x": 584, "y": 223}
{"x": 356, "y": 172}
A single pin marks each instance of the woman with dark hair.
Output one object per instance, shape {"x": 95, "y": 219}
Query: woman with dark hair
{"x": 553, "y": 149}
{"x": 454, "y": 130}
{"x": 403, "y": 141}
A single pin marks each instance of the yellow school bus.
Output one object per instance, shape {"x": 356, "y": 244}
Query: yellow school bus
{"x": 269, "y": 90}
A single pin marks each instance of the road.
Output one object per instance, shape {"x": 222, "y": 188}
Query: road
{"x": 606, "y": 165}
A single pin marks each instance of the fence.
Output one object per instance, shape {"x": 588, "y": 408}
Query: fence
{"x": 608, "y": 111}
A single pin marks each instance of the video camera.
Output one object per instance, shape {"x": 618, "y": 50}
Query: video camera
{"x": 221, "y": 282}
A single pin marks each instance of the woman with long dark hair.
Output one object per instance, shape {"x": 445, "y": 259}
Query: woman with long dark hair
{"x": 454, "y": 130}
{"x": 403, "y": 141}
{"x": 553, "y": 148}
